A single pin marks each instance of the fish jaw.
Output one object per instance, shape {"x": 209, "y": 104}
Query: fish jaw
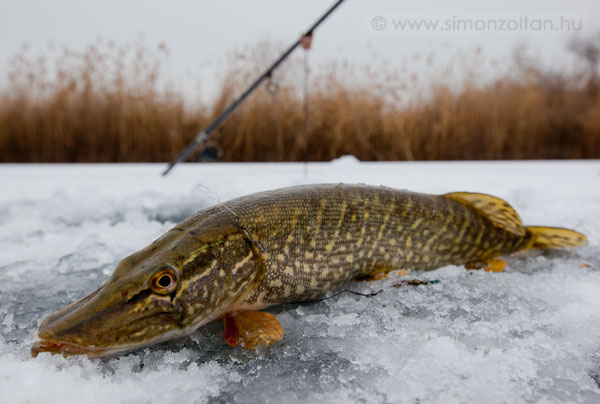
{"x": 65, "y": 349}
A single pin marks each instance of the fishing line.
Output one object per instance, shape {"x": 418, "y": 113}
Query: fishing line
{"x": 306, "y": 41}
{"x": 215, "y": 197}
{"x": 408, "y": 282}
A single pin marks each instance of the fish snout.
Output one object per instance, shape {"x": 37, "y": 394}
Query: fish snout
{"x": 58, "y": 324}
{"x": 106, "y": 322}
{"x": 65, "y": 330}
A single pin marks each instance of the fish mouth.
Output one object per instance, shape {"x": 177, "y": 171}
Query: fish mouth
{"x": 70, "y": 349}
{"x": 66, "y": 349}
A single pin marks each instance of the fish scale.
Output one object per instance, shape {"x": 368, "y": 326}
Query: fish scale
{"x": 318, "y": 237}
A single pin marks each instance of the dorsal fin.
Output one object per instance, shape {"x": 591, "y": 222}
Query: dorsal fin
{"x": 495, "y": 209}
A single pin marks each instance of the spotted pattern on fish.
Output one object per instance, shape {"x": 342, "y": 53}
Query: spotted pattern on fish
{"x": 315, "y": 238}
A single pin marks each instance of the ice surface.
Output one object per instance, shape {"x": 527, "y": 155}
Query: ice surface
{"x": 531, "y": 333}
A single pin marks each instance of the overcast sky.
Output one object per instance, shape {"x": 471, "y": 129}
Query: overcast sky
{"x": 200, "y": 34}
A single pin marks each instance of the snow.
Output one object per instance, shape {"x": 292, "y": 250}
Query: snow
{"x": 531, "y": 333}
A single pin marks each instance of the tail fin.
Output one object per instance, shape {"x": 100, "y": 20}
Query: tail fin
{"x": 541, "y": 238}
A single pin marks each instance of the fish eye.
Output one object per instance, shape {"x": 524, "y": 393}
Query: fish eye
{"x": 164, "y": 281}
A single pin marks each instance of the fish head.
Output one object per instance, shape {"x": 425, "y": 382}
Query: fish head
{"x": 167, "y": 290}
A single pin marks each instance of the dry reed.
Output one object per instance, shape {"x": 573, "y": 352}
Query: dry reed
{"x": 108, "y": 104}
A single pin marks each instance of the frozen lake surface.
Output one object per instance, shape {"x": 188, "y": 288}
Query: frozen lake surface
{"x": 528, "y": 334}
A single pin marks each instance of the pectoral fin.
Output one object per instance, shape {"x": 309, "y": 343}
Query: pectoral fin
{"x": 491, "y": 265}
{"x": 252, "y": 329}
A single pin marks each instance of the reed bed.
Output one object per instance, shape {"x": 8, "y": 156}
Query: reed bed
{"x": 110, "y": 104}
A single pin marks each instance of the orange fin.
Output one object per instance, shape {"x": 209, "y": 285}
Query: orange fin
{"x": 382, "y": 275}
{"x": 491, "y": 265}
{"x": 252, "y": 329}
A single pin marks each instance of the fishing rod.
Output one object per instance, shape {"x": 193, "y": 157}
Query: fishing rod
{"x": 201, "y": 138}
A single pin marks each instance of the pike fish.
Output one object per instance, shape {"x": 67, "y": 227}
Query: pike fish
{"x": 288, "y": 245}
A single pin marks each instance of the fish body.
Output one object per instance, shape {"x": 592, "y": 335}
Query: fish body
{"x": 288, "y": 245}
{"x": 316, "y": 238}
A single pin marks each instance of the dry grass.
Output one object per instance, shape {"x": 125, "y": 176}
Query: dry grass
{"x": 108, "y": 105}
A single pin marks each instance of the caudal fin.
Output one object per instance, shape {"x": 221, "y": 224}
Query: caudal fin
{"x": 542, "y": 238}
